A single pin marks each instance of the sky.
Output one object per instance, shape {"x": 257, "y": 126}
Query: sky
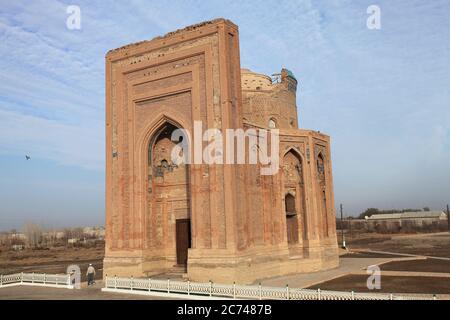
{"x": 383, "y": 95}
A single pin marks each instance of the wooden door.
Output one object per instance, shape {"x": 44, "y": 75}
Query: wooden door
{"x": 183, "y": 240}
{"x": 292, "y": 229}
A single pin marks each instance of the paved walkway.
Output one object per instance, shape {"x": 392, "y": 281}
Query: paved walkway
{"x": 347, "y": 266}
{"x": 410, "y": 274}
{"x": 404, "y": 254}
{"x": 354, "y": 265}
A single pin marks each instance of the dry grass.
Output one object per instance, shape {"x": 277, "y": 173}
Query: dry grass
{"x": 389, "y": 284}
{"x": 53, "y": 260}
{"x": 437, "y": 244}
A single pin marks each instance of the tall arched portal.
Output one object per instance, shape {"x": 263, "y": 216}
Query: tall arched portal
{"x": 294, "y": 197}
{"x": 169, "y": 198}
{"x": 321, "y": 177}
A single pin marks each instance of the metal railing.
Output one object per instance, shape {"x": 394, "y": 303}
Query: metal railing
{"x": 215, "y": 290}
{"x": 38, "y": 279}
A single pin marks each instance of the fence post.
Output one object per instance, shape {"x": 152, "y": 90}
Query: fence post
{"x": 189, "y": 287}
{"x": 115, "y": 281}
{"x": 318, "y": 294}
{"x": 210, "y": 288}
{"x": 131, "y": 283}
{"x": 391, "y": 296}
{"x": 168, "y": 285}
{"x": 287, "y": 292}
{"x": 260, "y": 292}
{"x": 353, "y": 295}
{"x": 234, "y": 290}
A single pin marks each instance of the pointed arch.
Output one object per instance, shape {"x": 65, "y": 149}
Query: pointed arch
{"x": 165, "y": 188}
{"x": 298, "y": 155}
{"x": 320, "y": 165}
{"x": 157, "y": 125}
{"x": 272, "y": 123}
{"x": 296, "y": 151}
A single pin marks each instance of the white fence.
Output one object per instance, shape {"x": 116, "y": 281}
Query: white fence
{"x": 36, "y": 279}
{"x": 210, "y": 290}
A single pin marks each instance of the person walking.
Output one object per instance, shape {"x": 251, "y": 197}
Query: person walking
{"x": 90, "y": 274}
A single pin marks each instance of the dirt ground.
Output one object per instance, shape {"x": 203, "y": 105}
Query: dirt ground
{"x": 52, "y": 261}
{"x": 421, "y": 265}
{"x": 389, "y": 284}
{"x": 437, "y": 244}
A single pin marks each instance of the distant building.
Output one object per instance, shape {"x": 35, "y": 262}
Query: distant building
{"x": 402, "y": 222}
{"x": 59, "y": 235}
{"x": 53, "y": 234}
{"x": 17, "y": 247}
{"x": 95, "y": 232}
{"x": 18, "y": 236}
{"x": 73, "y": 240}
{"x": 421, "y": 215}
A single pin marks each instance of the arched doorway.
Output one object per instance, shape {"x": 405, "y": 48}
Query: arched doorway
{"x": 169, "y": 197}
{"x": 291, "y": 219}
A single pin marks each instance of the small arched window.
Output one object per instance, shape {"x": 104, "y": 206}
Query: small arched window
{"x": 272, "y": 123}
{"x": 320, "y": 164}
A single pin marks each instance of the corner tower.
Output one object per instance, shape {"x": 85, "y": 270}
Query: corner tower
{"x": 270, "y": 102}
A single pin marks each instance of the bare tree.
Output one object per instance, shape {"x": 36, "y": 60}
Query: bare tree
{"x": 78, "y": 232}
{"x": 33, "y": 232}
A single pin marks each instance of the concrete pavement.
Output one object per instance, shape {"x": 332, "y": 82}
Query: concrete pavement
{"x": 347, "y": 266}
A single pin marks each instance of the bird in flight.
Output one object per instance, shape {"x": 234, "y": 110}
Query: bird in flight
{"x": 27, "y": 157}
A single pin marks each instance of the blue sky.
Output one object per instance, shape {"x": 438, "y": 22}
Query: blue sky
{"x": 382, "y": 95}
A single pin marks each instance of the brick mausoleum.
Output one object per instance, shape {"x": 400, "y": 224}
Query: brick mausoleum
{"x": 218, "y": 222}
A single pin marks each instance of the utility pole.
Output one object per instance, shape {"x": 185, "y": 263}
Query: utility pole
{"x": 448, "y": 219}
{"x": 342, "y": 227}
{"x": 349, "y": 228}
